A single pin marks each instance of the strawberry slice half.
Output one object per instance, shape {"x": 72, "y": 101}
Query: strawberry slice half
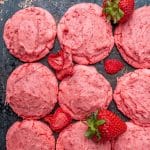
{"x": 62, "y": 62}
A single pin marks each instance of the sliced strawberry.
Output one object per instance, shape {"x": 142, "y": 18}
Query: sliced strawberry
{"x": 62, "y": 63}
{"x": 64, "y": 73}
{"x": 59, "y": 120}
{"x": 56, "y": 60}
{"x": 67, "y": 58}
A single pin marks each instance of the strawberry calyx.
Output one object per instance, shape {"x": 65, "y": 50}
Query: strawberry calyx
{"x": 112, "y": 10}
{"x": 93, "y": 124}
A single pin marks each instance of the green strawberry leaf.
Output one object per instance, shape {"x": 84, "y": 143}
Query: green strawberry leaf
{"x": 112, "y": 11}
{"x": 100, "y": 122}
{"x": 98, "y": 135}
{"x": 93, "y": 124}
{"x": 89, "y": 133}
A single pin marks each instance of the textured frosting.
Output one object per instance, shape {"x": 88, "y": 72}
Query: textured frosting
{"x": 132, "y": 96}
{"x": 135, "y": 138}
{"x": 30, "y": 33}
{"x": 72, "y": 138}
{"x": 84, "y": 92}
{"x": 132, "y": 38}
{"x": 30, "y": 135}
{"x": 32, "y": 90}
{"x": 86, "y": 32}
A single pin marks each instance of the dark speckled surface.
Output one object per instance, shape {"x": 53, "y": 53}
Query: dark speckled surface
{"x": 8, "y": 63}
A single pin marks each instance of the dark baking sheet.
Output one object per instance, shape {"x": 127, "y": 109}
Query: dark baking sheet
{"x": 8, "y": 63}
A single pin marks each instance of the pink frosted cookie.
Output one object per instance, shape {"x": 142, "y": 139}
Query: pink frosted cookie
{"x": 72, "y": 138}
{"x": 84, "y": 92}
{"x": 132, "y": 38}
{"x": 30, "y": 135}
{"x": 30, "y": 33}
{"x": 32, "y": 90}
{"x": 135, "y": 138}
{"x": 86, "y": 32}
{"x": 132, "y": 96}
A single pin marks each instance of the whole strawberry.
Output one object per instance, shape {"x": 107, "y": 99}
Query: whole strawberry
{"x": 113, "y": 66}
{"x": 104, "y": 125}
{"x": 118, "y": 10}
{"x": 59, "y": 120}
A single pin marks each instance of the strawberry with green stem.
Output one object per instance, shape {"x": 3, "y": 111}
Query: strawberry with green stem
{"x": 104, "y": 125}
{"x": 118, "y": 11}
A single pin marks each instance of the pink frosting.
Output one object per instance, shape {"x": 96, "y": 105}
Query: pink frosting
{"x": 132, "y": 38}
{"x": 30, "y": 33}
{"x": 32, "y": 90}
{"x": 72, "y": 138}
{"x": 84, "y": 92}
{"x": 132, "y": 96}
{"x": 86, "y": 32}
{"x": 135, "y": 138}
{"x": 30, "y": 135}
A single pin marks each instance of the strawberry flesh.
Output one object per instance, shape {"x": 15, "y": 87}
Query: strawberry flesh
{"x": 59, "y": 120}
{"x": 62, "y": 63}
{"x": 56, "y": 60}
{"x": 113, "y": 66}
{"x": 61, "y": 74}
